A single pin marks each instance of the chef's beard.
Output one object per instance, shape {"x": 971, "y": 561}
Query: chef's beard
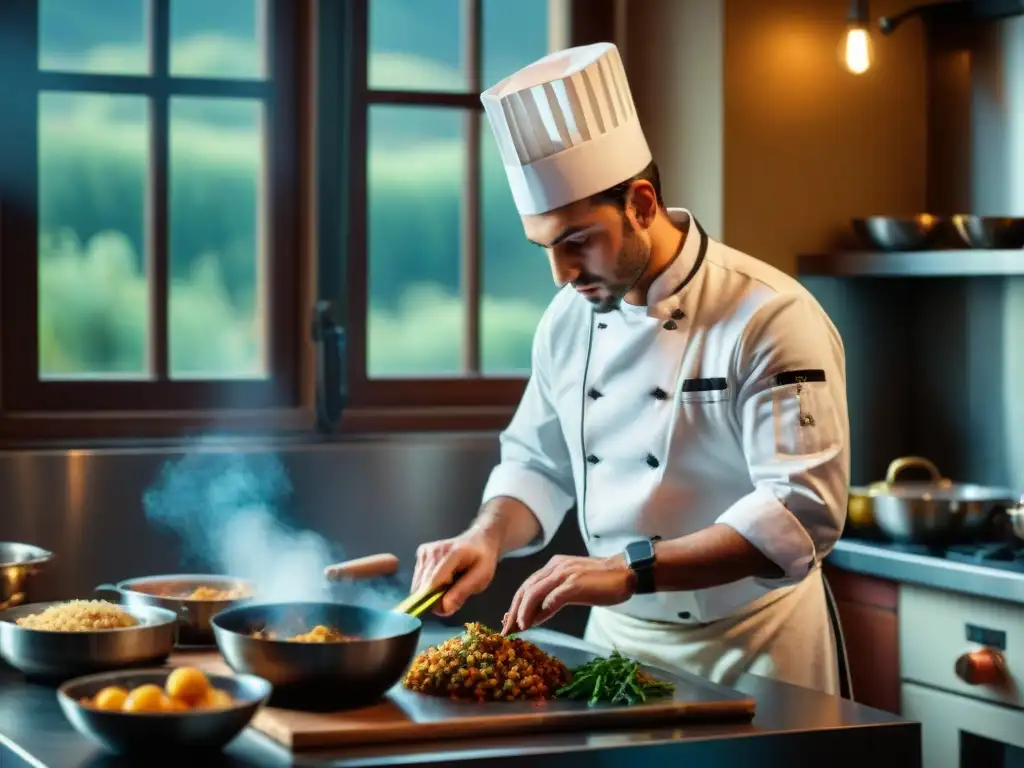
{"x": 630, "y": 265}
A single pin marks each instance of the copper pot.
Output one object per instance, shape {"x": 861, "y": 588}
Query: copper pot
{"x": 19, "y": 563}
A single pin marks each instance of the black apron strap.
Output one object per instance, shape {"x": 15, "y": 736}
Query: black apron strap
{"x": 845, "y": 683}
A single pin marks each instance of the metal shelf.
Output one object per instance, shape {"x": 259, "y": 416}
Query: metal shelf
{"x": 944, "y": 263}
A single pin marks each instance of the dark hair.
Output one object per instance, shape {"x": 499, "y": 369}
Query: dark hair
{"x": 617, "y": 195}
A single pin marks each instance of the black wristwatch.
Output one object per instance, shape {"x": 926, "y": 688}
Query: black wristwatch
{"x": 640, "y": 559}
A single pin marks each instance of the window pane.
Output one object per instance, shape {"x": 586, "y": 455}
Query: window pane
{"x": 516, "y": 281}
{"x": 416, "y": 45}
{"x": 98, "y": 36}
{"x": 217, "y": 303}
{"x": 93, "y": 294}
{"x": 224, "y": 38}
{"x": 416, "y": 165}
{"x": 514, "y": 35}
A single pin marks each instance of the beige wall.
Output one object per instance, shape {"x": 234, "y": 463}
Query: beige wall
{"x": 760, "y": 131}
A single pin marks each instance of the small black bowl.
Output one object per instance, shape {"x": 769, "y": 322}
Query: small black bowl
{"x": 207, "y": 730}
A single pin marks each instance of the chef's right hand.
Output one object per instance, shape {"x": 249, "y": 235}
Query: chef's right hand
{"x": 474, "y": 555}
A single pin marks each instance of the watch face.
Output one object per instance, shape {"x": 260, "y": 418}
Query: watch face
{"x": 639, "y": 552}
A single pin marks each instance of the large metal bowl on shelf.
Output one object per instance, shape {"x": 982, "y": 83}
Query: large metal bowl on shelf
{"x": 19, "y": 564}
{"x": 997, "y": 232}
{"x": 893, "y": 233}
{"x": 58, "y": 656}
{"x": 174, "y": 593}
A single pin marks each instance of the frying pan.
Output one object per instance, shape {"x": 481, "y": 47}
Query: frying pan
{"x": 324, "y": 676}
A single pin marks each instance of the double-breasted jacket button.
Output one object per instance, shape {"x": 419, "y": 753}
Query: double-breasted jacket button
{"x": 684, "y": 615}
{"x": 670, "y": 325}
{"x": 602, "y": 326}
{"x": 678, "y": 314}
{"x": 592, "y": 459}
{"x": 652, "y": 461}
{"x": 593, "y": 394}
{"x": 659, "y": 394}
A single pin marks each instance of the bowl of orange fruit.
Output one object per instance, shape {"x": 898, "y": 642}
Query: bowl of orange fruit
{"x": 153, "y": 710}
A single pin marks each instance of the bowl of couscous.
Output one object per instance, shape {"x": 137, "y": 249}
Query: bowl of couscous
{"x": 60, "y": 640}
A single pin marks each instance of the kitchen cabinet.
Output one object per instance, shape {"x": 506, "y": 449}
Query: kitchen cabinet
{"x": 868, "y": 611}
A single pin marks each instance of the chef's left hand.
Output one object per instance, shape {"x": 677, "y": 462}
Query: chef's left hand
{"x": 569, "y": 581}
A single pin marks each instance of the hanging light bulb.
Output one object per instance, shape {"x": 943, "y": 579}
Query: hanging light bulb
{"x": 856, "y": 51}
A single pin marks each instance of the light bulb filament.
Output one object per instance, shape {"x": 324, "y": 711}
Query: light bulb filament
{"x": 857, "y": 52}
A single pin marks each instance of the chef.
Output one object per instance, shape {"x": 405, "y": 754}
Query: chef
{"x": 687, "y": 399}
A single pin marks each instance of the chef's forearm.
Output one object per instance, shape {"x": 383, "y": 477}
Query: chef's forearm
{"x": 709, "y": 558}
{"x": 508, "y": 523}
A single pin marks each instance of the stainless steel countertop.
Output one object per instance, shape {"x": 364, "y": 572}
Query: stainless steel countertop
{"x": 792, "y": 723}
{"x": 889, "y": 562}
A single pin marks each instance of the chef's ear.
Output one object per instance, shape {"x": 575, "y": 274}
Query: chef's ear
{"x": 643, "y": 200}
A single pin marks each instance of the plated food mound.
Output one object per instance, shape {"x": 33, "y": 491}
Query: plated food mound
{"x": 485, "y": 665}
{"x": 318, "y": 634}
{"x": 79, "y": 616}
{"x": 186, "y": 690}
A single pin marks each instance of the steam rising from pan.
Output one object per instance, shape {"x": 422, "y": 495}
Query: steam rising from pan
{"x": 227, "y": 510}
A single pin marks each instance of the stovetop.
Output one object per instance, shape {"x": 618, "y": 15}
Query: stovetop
{"x": 1007, "y": 556}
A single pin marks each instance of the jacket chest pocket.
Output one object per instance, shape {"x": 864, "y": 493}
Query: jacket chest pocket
{"x": 713, "y": 390}
{"x": 705, "y": 434}
{"x": 802, "y": 413}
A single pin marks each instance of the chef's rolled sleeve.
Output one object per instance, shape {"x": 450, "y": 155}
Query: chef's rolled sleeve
{"x": 535, "y": 466}
{"x": 792, "y": 407}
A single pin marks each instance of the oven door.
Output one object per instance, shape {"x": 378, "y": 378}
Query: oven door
{"x": 960, "y": 732}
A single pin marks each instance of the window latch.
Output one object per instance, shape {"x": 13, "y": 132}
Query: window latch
{"x": 331, "y": 386}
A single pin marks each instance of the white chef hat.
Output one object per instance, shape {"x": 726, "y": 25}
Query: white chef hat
{"x": 566, "y": 127}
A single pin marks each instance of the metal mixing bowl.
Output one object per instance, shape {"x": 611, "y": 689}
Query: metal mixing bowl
{"x": 320, "y": 675}
{"x": 18, "y": 564}
{"x": 59, "y": 656}
{"x": 161, "y": 733}
{"x": 170, "y": 593}
{"x": 890, "y": 233}
{"x": 990, "y": 231}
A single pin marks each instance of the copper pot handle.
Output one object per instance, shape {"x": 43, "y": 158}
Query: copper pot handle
{"x": 910, "y": 462}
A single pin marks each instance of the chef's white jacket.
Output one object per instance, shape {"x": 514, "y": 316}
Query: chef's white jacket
{"x": 721, "y": 401}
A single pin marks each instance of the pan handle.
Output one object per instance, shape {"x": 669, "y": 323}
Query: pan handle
{"x": 106, "y": 588}
{"x": 369, "y": 567}
{"x": 914, "y": 462}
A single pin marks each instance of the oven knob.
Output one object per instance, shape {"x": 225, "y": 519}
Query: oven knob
{"x": 983, "y": 666}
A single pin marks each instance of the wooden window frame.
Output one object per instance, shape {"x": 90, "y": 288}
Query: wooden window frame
{"x": 31, "y": 408}
{"x": 468, "y": 401}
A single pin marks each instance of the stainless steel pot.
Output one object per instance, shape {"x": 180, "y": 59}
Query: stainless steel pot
{"x": 915, "y": 511}
{"x": 172, "y": 593}
{"x": 60, "y": 656}
{"x": 19, "y": 563}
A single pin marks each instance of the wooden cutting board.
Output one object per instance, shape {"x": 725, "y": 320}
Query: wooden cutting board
{"x": 407, "y": 716}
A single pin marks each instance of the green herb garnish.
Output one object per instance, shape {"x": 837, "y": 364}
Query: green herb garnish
{"x": 615, "y": 680}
